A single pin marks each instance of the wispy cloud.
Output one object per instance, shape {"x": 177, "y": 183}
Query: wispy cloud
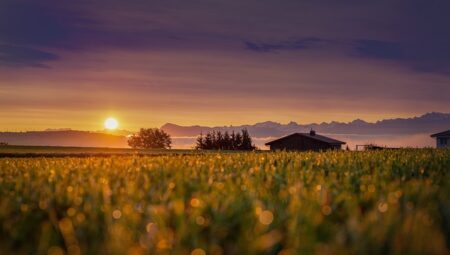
{"x": 299, "y": 44}
{"x": 18, "y": 56}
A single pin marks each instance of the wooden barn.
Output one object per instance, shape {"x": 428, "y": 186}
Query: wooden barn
{"x": 442, "y": 139}
{"x": 305, "y": 142}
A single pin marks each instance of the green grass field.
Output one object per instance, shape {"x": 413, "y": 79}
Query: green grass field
{"x": 379, "y": 202}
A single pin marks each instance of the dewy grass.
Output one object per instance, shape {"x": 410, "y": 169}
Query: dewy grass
{"x": 380, "y": 202}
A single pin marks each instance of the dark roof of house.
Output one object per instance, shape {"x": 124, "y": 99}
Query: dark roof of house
{"x": 445, "y": 133}
{"x": 315, "y": 137}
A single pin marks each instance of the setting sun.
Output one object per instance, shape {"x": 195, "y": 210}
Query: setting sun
{"x": 111, "y": 123}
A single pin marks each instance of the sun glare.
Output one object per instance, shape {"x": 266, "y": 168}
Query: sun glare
{"x": 111, "y": 123}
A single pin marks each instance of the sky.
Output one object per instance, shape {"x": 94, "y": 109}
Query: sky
{"x": 72, "y": 64}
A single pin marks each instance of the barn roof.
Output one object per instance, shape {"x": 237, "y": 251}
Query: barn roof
{"x": 309, "y": 135}
{"x": 445, "y": 133}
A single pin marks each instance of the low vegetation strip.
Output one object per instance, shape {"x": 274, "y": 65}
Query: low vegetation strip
{"x": 59, "y": 151}
{"x": 85, "y": 155}
{"x": 336, "y": 202}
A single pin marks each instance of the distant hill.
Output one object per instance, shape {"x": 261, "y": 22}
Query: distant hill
{"x": 427, "y": 123}
{"x": 64, "y": 138}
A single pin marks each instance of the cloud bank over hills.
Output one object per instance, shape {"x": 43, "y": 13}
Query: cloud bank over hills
{"x": 413, "y": 132}
{"x": 427, "y": 123}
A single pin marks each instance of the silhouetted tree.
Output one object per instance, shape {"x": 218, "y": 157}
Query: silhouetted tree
{"x": 237, "y": 142}
{"x": 224, "y": 141}
{"x": 233, "y": 140}
{"x": 200, "y": 143}
{"x": 219, "y": 141}
{"x": 151, "y": 138}
{"x": 247, "y": 143}
{"x": 208, "y": 143}
{"x": 134, "y": 141}
{"x": 227, "y": 144}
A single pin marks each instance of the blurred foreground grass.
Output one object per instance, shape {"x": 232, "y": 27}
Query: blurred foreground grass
{"x": 381, "y": 202}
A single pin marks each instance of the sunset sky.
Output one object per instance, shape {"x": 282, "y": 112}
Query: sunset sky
{"x": 72, "y": 64}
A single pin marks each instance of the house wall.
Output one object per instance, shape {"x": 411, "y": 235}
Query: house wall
{"x": 301, "y": 143}
{"x": 442, "y": 142}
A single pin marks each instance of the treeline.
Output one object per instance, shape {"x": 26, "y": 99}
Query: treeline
{"x": 225, "y": 141}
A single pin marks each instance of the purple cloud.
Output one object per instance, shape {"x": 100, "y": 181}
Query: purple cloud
{"x": 18, "y": 56}
{"x": 283, "y": 45}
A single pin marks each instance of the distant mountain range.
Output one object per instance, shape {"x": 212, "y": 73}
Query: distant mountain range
{"x": 427, "y": 123}
{"x": 405, "y": 130}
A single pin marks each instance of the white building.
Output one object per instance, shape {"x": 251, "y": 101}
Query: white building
{"x": 442, "y": 139}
